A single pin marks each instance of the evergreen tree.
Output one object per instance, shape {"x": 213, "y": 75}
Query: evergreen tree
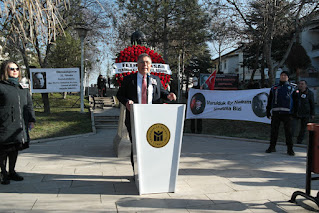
{"x": 298, "y": 60}
{"x": 172, "y": 27}
{"x": 66, "y": 53}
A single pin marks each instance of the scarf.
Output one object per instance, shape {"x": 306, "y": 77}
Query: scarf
{"x": 14, "y": 81}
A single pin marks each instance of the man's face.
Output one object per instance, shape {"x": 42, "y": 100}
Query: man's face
{"x": 302, "y": 85}
{"x": 263, "y": 102}
{"x": 39, "y": 79}
{"x": 144, "y": 65}
{"x": 284, "y": 77}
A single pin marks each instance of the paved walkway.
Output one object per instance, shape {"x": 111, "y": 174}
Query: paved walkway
{"x": 82, "y": 174}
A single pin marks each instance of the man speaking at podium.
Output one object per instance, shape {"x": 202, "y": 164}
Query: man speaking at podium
{"x": 141, "y": 88}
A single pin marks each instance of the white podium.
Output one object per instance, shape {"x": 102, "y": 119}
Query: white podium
{"x": 157, "y": 131}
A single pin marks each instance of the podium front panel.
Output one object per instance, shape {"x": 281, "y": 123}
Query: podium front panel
{"x": 157, "y": 136}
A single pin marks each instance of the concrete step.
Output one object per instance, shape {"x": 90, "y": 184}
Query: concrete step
{"x": 106, "y": 126}
{"x": 102, "y": 102}
{"x": 102, "y": 118}
{"x": 106, "y": 122}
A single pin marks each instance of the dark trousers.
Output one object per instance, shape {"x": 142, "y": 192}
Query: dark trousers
{"x": 275, "y": 124}
{"x": 198, "y": 124}
{"x": 12, "y": 156}
{"x": 303, "y": 127}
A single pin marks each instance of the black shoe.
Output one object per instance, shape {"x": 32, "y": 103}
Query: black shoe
{"x": 4, "y": 179}
{"x": 291, "y": 152}
{"x": 15, "y": 176}
{"x": 271, "y": 149}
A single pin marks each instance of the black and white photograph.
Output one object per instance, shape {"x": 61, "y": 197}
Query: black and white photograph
{"x": 39, "y": 80}
{"x": 259, "y": 104}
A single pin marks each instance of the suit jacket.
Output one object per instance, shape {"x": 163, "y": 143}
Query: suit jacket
{"x": 128, "y": 91}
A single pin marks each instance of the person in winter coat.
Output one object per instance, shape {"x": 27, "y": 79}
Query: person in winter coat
{"x": 304, "y": 108}
{"x": 279, "y": 109}
{"x": 16, "y": 117}
{"x": 101, "y": 85}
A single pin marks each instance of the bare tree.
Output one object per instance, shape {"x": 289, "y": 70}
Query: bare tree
{"x": 22, "y": 18}
{"x": 277, "y": 15}
{"x": 224, "y": 32}
{"x": 36, "y": 24}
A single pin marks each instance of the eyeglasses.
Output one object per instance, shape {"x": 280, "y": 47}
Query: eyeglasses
{"x": 12, "y": 68}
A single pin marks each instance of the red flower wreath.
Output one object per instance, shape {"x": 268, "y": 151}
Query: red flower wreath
{"x": 131, "y": 53}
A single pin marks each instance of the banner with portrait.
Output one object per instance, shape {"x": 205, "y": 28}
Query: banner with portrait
{"x": 46, "y": 80}
{"x": 246, "y": 105}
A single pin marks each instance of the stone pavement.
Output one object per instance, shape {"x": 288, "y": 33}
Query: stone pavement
{"x": 82, "y": 174}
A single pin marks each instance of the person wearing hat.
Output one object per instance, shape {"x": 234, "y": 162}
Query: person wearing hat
{"x": 279, "y": 109}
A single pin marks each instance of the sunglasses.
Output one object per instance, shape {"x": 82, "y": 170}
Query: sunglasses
{"x": 12, "y": 69}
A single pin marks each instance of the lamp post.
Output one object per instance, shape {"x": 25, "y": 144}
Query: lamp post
{"x": 82, "y": 34}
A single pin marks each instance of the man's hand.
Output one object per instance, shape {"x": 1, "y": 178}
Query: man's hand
{"x": 31, "y": 125}
{"x": 171, "y": 97}
{"x": 128, "y": 104}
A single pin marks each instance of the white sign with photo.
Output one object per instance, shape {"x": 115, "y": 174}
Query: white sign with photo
{"x": 48, "y": 80}
{"x": 246, "y": 105}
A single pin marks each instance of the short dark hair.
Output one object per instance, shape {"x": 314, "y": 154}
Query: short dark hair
{"x": 142, "y": 56}
{"x": 285, "y": 72}
{"x": 303, "y": 81}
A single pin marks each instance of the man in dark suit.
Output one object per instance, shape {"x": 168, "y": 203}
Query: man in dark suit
{"x": 132, "y": 90}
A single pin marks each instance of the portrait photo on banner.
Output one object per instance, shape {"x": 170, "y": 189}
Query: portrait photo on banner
{"x": 259, "y": 104}
{"x": 39, "y": 80}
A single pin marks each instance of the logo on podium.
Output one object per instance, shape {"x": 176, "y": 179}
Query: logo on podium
{"x": 158, "y": 135}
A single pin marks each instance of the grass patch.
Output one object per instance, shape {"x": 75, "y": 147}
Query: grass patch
{"x": 231, "y": 128}
{"x": 65, "y": 117}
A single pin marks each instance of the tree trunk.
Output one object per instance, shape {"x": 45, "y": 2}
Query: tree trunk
{"x": 267, "y": 56}
{"x": 219, "y": 58}
{"x": 255, "y": 65}
{"x": 262, "y": 70}
{"x": 298, "y": 71}
{"x": 165, "y": 37}
{"x": 46, "y": 103}
{"x": 25, "y": 61}
{"x": 43, "y": 64}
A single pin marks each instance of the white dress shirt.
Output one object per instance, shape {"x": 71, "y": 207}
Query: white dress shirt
{"x": 139, "y": 89}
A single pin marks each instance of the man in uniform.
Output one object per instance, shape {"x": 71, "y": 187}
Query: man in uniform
{"x": 279, "y": 109}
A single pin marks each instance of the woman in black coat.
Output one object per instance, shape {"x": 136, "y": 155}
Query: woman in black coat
{"x": 16, "y": 117}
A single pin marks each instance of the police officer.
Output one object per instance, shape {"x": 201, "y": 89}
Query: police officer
{"x": 279, "y": 109}
{"x": 304, "y": 108}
